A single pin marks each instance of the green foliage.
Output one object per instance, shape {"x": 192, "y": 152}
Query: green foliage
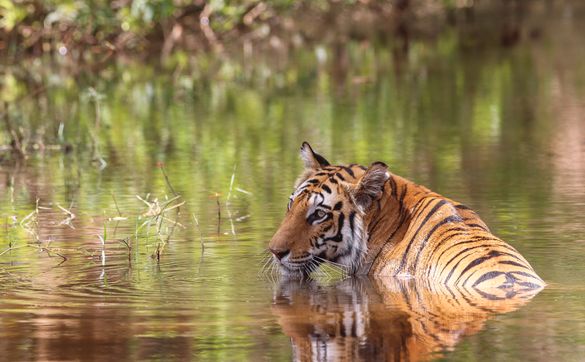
{"x": 52, "y": 24}
{"x": 11, "y": 14}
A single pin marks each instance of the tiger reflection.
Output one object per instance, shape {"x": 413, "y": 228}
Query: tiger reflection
{"x": 388, "y": 319}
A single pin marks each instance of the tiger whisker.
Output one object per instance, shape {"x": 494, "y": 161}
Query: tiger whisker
{"x": 325, "y": 273}
{"x": 273, "y": 270}
{"x": 265, "y": 266}
{"x": 344, "y": 269}
{"x": 320, "y": 271}
{"x": 310, "y": 268}
{"x": 265, "y": 263}
{"x": 314, "y": 267}
{"x": 331, "y": 262}
{"x": 270, "y": 268}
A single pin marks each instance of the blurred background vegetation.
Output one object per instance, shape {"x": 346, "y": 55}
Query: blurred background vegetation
{"x": 96, "y": 29}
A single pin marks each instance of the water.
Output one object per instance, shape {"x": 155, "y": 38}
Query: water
{"x": 499, "y": 128}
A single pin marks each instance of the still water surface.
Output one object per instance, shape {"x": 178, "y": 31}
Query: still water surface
{"x": 500, "y": 129}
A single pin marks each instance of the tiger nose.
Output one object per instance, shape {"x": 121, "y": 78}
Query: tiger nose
{"x": 279, "y": 254}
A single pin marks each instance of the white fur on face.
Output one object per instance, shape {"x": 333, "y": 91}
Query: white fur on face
{"x": 345, "y": 242}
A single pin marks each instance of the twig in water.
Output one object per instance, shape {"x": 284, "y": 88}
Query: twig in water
{"x": 243, "y": 191}
{"x": 158, "y": 252}
{"x": 30, "y": 223}
{"x": 162, "y": 168}
{"x": 155, "y": 208}
{"x": 202, "y": 244}
{"x": 227, "y": 201}
{"x": 50, "y": 252}
{"x": 156, "y": 216}
{"x": 136, "y": 237}
{"x": 218, "y": 212}
{"x": 160, "y": 217}
{"x": 103, "y": 240}
{"x": 13, "y": 248}
{"x": 173, "y": 226}
{"x": 8, "y": 234}
{"x": 69, "y": 219}
{"x": 119, "y": 217}
{"x": 128, "y": 247}
{"x": 200, "y": 233}
{"x": 116, "y": 204}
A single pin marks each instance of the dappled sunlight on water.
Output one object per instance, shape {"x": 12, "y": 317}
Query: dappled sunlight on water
{"x": 501, "y": 130}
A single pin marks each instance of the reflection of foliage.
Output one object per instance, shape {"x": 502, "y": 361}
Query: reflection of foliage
{"x": 433, "y": 127}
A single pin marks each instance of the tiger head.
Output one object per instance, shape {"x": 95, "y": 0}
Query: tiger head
{"x": 326, "y": 215}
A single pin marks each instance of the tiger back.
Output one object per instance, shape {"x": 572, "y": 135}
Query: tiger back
{"x": 444, "y": 241}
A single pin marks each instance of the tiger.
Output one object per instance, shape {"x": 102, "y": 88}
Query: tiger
{"x": 369, "y": 221}
{"x": 382, "y": 319}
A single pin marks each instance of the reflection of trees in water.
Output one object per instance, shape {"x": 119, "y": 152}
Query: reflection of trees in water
{"x": 382, "y": 319}
{"x": 567, "y": 107}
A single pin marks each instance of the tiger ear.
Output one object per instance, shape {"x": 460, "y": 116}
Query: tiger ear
{"x": 311, "y": 159}
{"x": 370, "y": 186}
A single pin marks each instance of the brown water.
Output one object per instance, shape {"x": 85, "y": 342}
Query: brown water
{"x": 500, "y": 128}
